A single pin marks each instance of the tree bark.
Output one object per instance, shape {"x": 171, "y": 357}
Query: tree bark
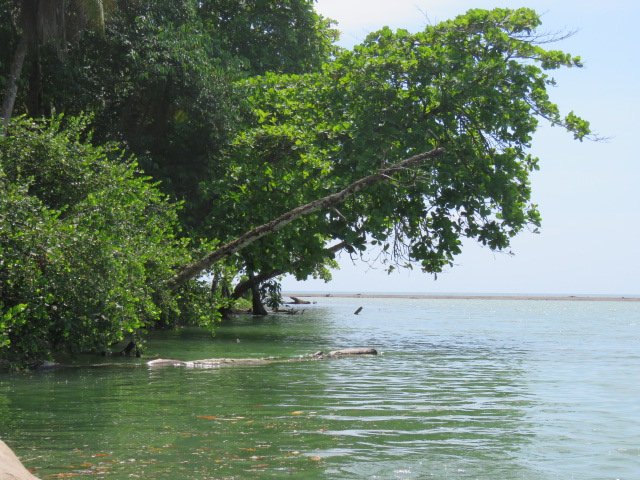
{"x": 50, "y": 23}
{"x": 229, "y": 362}
{"x": 193, "y": 269}
{"x": 33, "y": 95}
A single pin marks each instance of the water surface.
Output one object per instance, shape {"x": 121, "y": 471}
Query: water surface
{"x": 463, "y": 389}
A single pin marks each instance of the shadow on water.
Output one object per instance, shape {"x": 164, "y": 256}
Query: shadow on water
{"x": 440, "y": 407}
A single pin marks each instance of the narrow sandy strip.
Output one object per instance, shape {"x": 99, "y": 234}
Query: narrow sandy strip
{"x": 419, "y": 296}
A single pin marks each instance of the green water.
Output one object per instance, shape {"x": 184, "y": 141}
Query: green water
{"x": 463, "y": 389}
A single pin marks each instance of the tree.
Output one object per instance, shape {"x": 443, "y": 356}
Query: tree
{"x": 475, "y": 87}
{"x": 157, "y": 75}
{"x": 409, "y": 143}
{"x": 190, "y": 271}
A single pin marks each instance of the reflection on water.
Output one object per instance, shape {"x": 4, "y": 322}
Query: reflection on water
{"x": 461, "y": 390}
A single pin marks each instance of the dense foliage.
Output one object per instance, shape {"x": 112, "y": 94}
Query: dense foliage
{"x": 241, "y": 112}
{"x": 86, "y": 242}
{"x": 475, "y": 86}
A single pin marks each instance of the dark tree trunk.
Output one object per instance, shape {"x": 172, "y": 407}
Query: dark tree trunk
{"x": 50, "y": 29}
{"x": 34, "y": 90}
{"x": 50, "y": 23}
{"x": 15, "y": 72}
{"x": 257, "y": 308}
{"x": 44, "y": 22}
{"x": 41, "y": 21}
{"x": 246, "y": 285}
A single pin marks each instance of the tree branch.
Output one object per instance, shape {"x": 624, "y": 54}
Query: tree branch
{"x": 193, "y": 269}
{"x": 244, "y": 286}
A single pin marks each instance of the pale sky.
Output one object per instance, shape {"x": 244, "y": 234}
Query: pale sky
{"x": 587, "y": 192}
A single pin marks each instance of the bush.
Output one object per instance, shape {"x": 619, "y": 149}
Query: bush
{"x": 86, "y": 242}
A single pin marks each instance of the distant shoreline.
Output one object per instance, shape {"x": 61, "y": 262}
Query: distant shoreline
{"x": 421, "y": 296}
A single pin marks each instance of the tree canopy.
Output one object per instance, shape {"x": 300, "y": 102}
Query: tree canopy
{"x": 475, "y": 86}
{"x": 275, "y": 150}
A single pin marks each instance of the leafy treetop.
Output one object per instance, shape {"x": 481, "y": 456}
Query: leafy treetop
{"x": 475, "y": 86}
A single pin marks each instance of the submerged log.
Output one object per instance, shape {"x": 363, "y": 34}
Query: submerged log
{"x": 211, "y": 362}
{"x": 225, "y": 362}
{"x": 219, "y": 362}
{"x": 166, "y": 362}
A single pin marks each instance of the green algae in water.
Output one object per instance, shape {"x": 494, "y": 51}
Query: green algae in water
{"x": 462, "y": 389}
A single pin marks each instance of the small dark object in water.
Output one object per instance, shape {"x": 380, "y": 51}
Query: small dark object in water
{"x": 126, "y": 351}
{"x": 357, "y": 311}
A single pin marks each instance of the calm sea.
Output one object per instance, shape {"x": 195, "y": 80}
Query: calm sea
{"x": 462, "y": 389}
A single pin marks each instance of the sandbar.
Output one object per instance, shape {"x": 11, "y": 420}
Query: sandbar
{"x": 435, "y": 296}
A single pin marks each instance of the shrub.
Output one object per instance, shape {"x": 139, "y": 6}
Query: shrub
{"x": 86, "y": 242}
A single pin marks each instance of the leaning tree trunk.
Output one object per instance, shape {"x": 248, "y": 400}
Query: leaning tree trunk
{"x": 192, "y": 270}
{"x": 245, "y": 285}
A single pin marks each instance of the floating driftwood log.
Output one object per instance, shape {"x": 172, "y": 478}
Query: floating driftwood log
{"x": 217, "y": 362}
{"x": 353, "y": 351}
{"x": 225, "y": 362}
{"x": 298, "y": 301}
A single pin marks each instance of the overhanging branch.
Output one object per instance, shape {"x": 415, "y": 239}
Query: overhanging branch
{"x": 193, "y": 269}
{"x": 244, "y": 286}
